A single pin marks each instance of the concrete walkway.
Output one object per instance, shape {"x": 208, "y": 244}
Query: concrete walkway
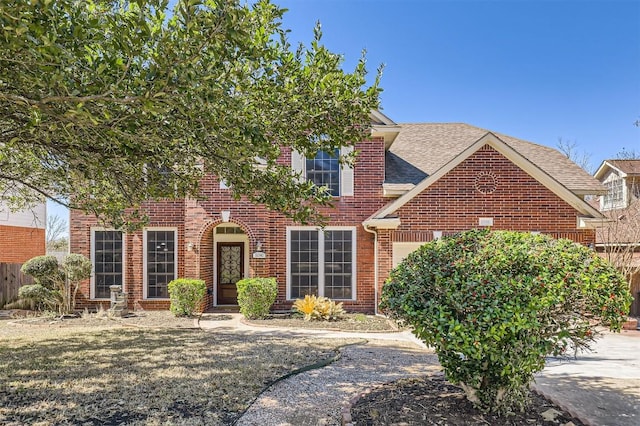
{"x": 601, "y": 387}
{"x": 234, "y": 322}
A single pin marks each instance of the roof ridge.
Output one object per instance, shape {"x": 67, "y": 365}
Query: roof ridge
{"x": 499, "y": 134}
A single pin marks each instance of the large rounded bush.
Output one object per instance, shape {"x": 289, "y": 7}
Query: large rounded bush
{"x": 494, "y": 304}
{"x": 45, "y": 270}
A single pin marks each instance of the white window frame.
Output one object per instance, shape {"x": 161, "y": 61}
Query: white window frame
{"x": 144, "y": 259}
{"x": 321, "y": 277}
{"x": 346, "y": 187}
{"x": 330, "y": 157}
{"x": 92, "y": 249}
{"x": 612, "y": 181}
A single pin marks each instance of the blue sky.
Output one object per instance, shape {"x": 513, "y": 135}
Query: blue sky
{"x": 537, "y": 70}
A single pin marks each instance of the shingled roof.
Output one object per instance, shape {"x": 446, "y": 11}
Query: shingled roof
{"x": 629, "y": 167}
{"x": 420, "y": 149}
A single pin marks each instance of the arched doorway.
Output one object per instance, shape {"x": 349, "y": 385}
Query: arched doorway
{"x": 230, "y": 262}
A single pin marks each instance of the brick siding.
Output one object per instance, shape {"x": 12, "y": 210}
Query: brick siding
{"x": 451, "y": 204}
{"x": 19, "y": 244}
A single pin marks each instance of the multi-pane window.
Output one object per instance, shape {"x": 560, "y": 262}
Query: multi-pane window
{"x": 107, "y": 261}
{"x": 160, "y": 262}
{"x": 304, "y": 263}
{"x": 324, "y": 170}
{"x": 614, "y": 198}
{"x": 321, "y": 263}
{"x": 337, "y": 264}
{"x": 229, "y": 230}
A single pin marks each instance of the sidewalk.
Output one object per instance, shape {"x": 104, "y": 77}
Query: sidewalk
{"x": 601, "y": 387}
{"x": 235, "y": 323}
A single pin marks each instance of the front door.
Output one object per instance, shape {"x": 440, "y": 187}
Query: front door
{"x": 230, "y": 271}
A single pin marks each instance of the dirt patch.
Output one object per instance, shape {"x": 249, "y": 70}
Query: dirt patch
{"x": 349, "y": 322}
{"x": 146, "y": 369}
{"x": 431, "y": 400}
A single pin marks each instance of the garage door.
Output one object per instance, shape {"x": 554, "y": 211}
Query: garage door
{"x": 402, "y": 250}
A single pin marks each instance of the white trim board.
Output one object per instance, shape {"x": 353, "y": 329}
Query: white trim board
{"x": 512, "y": 155}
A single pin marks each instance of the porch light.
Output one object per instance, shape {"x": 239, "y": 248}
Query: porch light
{"x": 225, "y": 214}
{"x": 259, "y": 245}
{"x": 190, "y": 246}
{"x": 437, "y": 235}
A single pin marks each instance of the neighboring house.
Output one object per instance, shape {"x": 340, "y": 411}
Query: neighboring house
{"x": 618, "y": 239}
{"x": 411, "y": 183}
{"x": 22, "y": 233}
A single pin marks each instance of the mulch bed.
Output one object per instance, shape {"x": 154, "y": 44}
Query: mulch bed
{"x": 431, "y": 400}
{"x": 154, "y": 319}
{"x": 349, "y": 322}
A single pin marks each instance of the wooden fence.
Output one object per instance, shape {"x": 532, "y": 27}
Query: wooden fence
{"x": 11, "y": 279}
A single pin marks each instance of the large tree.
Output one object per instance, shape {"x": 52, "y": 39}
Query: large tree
{"x": 105, "y": 104}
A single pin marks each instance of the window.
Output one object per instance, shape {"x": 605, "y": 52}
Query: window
{"x": 614, "y": 197}
{"x": 107, "y": 257}
{"x": 321, "y": 263}
{"x": 229, "y": 230}
{"x": 324, "y": 170}
{"x": 338, "y": 265}
{"x": 160, "y": 262}
{"x": 304, "y": 263}
{"x": 158, "y": 179}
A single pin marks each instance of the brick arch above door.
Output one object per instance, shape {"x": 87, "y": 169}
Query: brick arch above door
{"x": 210, "y": 225}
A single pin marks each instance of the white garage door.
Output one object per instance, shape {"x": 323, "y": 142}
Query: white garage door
{"x": 402, "y": 250}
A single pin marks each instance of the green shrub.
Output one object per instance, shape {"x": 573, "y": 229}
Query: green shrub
{"x": 60, "y": 281}
{"x": 39, "y": 297}
{"x": 494, "y": 304}
{"x": 45, "y": 270}
{"x": 321, "y": 308}
{"x": 76, "y": 268}
{"x": 186, "y": 295}
{"x": 256, "y": 295}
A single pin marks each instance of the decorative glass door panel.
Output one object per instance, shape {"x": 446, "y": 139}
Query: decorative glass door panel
{"x": 230, "y": 271}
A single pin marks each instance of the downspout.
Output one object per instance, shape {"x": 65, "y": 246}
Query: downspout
{"x": 375, "y": 266}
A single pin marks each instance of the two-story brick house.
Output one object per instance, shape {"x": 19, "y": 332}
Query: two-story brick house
{"x": 618, "y": 239}
{"x": 411, "y": 183}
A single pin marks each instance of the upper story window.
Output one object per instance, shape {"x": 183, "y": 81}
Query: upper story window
{"x": 159, "y": 177}
{"x": 324, "y": 170}
{"x": 614, "y": 198}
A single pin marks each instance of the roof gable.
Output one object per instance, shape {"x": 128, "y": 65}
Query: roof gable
{"x": 512, "y": 155}
{"x": 429, "y": 146}
{"x": 623, "y": 167}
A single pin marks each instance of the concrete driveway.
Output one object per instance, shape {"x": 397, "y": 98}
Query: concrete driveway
{"x": 601, "y": 387}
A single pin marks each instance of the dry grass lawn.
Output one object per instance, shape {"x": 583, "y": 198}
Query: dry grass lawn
{"x": 105, "y": 373}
